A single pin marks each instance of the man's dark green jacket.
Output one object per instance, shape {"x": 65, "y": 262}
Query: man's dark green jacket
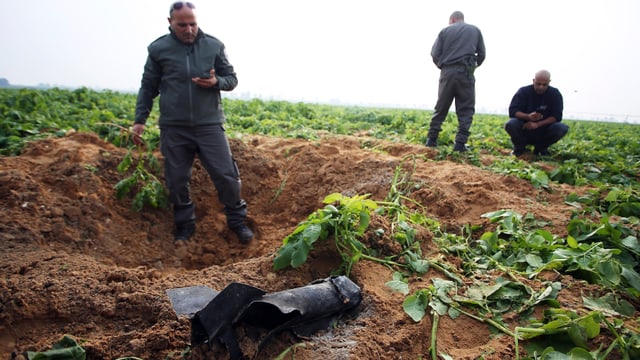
{"x": 170, "y": 66}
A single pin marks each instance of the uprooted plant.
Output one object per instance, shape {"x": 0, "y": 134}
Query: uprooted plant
{"x": 143, "y": 182}
{"x": 345, "y": 219}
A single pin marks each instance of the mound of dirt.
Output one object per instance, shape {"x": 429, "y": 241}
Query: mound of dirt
{"x": 76, "y": 260}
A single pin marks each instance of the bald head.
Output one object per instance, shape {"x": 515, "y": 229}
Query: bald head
{"x": 543, "y": 75}
{"x": 541, "y": 81}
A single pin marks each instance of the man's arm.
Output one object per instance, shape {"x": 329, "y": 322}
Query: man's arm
{"x": 481, "y": 51}
{"x": 226, "y": 75}
{"x": 436, "y": 51}
{"x": 148, "y": 91}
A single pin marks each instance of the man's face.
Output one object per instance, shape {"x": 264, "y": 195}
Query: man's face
{"x": 540, "y": 84}
{"x": 184, "y": 25}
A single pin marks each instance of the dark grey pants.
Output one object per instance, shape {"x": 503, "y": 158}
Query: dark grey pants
{"x": 179, "y": 146}
{"x": 541, "y": 138}
{"x": 456, "y": 82}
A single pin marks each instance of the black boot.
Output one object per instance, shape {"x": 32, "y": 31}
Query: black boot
{"x": 184, "y": 231}
{"x": 459, "y": 147}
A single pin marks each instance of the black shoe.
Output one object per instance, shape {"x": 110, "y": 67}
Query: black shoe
{"x": 460, "y": 147}
{"x": 184, "y": 232}
{"x": 431, "y": 142}
{"x": 541, "y": 151}
{"x": 244, "y": 233}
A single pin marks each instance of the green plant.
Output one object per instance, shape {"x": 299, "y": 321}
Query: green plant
{"x": 142, "y": 181}
{"x": 345, "y": 222}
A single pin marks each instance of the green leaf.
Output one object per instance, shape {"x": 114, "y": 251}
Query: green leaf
{"x": 414, "y": 306}
{"x": 299, "y": 253}
{"x": 591, "y": 325}
{"x": 421, "y": 266}
{"x": 578, "y": 335}
{"x": 439, "y": 307}
{"x": 579, "y": 354}
{"x": 539, "y": 178}
{"x": 332, "y": 198}
{"x": 67, "y": 348}
{"x": 534, "y": 260}
{"x": 398, "y": 286}
{"x": 283, "y": 258}
{"x": 610, "y": 270}
{"x": 126, "y": 162}
{"x": 572, "y": 242}
{"x": 631, "y": 276}
{"x": 364, "y": 222}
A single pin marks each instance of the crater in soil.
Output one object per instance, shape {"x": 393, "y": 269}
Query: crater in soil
{"x": 76, "y": 260}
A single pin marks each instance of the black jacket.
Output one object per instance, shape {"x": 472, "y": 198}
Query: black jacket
{"x": 550, "y": 103}
{"x": 168, "y": 71}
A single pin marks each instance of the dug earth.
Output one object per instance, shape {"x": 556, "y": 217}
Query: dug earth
{"x": 76, "y": 260}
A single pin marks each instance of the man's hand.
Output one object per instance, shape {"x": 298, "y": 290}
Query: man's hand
{"x": 533, "y": 121}
{"x": 535, "y": 116}
{"x": 530, "y": 125}
{"x": 206, "y": 82}
{"x": 136, "y": 135}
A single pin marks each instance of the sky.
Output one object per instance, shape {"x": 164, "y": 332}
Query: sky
{"x": 356, "y": 52}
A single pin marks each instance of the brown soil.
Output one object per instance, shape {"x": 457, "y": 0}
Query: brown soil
{"x": 76, "y": 260}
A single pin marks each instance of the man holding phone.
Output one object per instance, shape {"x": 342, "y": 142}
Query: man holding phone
{"x": 188, "y": 69}
{"x": 535, "y": 116}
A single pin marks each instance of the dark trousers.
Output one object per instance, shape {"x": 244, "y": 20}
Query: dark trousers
{"x": 456, "y": 82}
{"x": 541, "y": 138}
{"x": 179, "y": 146}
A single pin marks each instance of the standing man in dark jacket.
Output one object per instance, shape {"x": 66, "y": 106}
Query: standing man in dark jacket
{"x": 535, "y": 116}
{"x": 457, "y": 51}
{"x": 188, "y": 69}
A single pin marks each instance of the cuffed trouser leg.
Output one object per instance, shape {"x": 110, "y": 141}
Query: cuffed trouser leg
{"x": 215, "y": 154}
{"x": 446, "y": 94}
{"x": 465, "y": 105}
{"x": 179, "y": 152}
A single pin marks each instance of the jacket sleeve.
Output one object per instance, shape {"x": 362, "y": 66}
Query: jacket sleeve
{"x": 481, "y": 51}
{"x": 556, "y": 105}
{"x": 149, "y": 89}
{"x": 518, "y": 103}
{"x": 436, "y": 51}
{"x": 227, "y": 79}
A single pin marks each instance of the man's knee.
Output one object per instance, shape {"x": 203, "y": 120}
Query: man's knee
{"x": 558, "y": 131}
{"x": 513, "y": 126}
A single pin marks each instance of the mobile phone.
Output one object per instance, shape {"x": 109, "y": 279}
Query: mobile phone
{"x": 205, "y": 75}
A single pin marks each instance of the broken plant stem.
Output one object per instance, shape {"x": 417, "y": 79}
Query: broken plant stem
{"x": 434, "y": 330}
{"x": 440, "y": 267}
{"x": 488, "y": 321}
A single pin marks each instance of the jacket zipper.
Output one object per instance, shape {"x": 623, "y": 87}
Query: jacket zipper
{"x": 191, "y": 121}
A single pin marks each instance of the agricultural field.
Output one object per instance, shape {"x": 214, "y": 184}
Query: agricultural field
{"x": 478, "y": 255}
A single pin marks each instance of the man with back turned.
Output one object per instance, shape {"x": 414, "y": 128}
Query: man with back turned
{"x": 457, "y": 51}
